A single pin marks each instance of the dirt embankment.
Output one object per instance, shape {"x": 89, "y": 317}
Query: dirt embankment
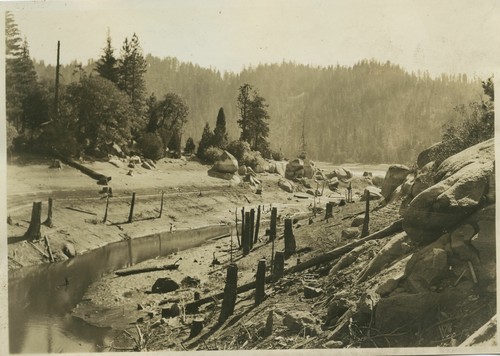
{"x": 191, "y": 199}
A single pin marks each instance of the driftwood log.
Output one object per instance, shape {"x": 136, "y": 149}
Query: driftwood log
{"x": 128, "y": 272}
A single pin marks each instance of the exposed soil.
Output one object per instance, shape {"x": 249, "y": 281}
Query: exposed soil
{"x": 192, "y": 198}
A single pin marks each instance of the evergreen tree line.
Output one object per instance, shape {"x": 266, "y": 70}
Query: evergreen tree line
{"x": 370, "y": 112}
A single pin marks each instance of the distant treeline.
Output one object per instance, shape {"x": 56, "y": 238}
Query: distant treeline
{"x": 371, "y": 112}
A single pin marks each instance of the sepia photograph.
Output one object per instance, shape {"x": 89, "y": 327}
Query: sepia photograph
{"x": 195, "y": 176}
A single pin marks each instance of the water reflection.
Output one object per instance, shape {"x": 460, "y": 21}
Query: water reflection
{"x": 41, "y": 297}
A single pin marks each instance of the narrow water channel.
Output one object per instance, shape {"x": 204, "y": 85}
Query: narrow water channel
{"x": 41, "y": 297}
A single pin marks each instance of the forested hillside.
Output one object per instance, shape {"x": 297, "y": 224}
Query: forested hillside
{"x": 371, "y": 112}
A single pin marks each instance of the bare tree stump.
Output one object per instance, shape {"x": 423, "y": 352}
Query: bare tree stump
{"x": 246, "y": 235}
{"x": 33, "y": 232}
{"x": 252, "y": 221}
{"x": 279, "y": 265}
{"x": 196, "y": 327}
{"x": 329, "y": 210}
{"x": 268, "y": 331}
{"x": 132, "y": 204}
{"x": 260, "y": 291}
{"x": 366, "y": 222}
{"x": 290, "y": 244}
{"x": 257, "y": 225}
{"x": 106, "y": 211}
{"x": 161, "y": 204}
{"x": 242, "y": 226}
{"x": 236, "y": 226}
{"x": 48, "y": 222}
{"x": 230, "y": 293}
{"x": 272, "y": 231}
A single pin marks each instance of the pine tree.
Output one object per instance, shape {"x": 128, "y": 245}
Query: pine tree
{"x": 190, "y": 146}
{"x": 206, "y": 140}
{"x": 131, "y": 70}
{"x": 106, "y": 66}
{"x": 253, "y": 119}
{"x": 21, "y": 78}
{"x": 220, "y": 138}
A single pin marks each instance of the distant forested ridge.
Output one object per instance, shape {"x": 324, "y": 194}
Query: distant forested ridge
{"x": 371, "y": 112}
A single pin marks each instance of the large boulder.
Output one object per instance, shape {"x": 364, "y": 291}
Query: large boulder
{"x": 294, "y": 169}
{"x": 425, "y": 270}
{"x": 394, "y": 177}
{"x": 234, "y": 178}
{"x": 340, "y": 173}
{"x": 378, "y": 181}
{"x": 226, "y": 163}
{"x": 309, "y": 168}
{"x": 69, "y": 250}
{"x": 428, "y": 154}
{"x": 462, "y": 187}
{"x": 301, "y": 322}
{"x": 374, "y": 193}
{"x": 286, "y": 185}
{"x": 423, "y": 180}
{"x": 164, "y": 285}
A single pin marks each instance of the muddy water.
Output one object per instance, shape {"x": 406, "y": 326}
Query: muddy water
{"x": 41, "y": 297}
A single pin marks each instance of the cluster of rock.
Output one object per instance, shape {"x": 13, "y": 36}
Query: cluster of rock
{"x": 444, "y": 256}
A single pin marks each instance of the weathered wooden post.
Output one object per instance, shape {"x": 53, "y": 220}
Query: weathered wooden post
{"x": 252, "y": 221}
{"x": 246, "y": 235}
{"x": 349, "y": 193}
{"x": 106, "y": 211}
{"x": 366, "y": 230}
{"x": 242, "y": 226}
{"x": 33, "y": 232}
{"x": 272, "y": 233}
{"x": 236, "y": 227}
{"x": 272, "y": 230}
{"x": 290, "y": 244}
{"x": 131, "y": 214}
{"x": 260, "y": 280}
{"x": 329, "y": 210}
{"x": 230, "y": 293}
{"x": 257, "y": 225}
{"x": 48, "y": 222}
{"x": 279, "y": 265}
{"x": 161, "y": 204}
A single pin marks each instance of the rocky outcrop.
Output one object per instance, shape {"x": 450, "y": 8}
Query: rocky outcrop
{"x": 462, "y": 184}
{"x": 394, "y": 177}
{"x": 226, "y": 163}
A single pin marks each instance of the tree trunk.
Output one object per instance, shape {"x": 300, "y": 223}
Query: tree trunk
{"x": 290, "y": 244}
{"x": 48, "y": 222}
{"x": 246, "y": 235}
{"x": 260, "y": 291}
{"x": 230, "y": 293}
{"x": 366, "y": 222}
{"x": 257, "y": 225}
{"x": 132, "y": 204}
{"x": 33, "y": 232}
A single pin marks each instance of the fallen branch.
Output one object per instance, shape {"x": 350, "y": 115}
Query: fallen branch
{"x": 81, "y": 211}
{"x": 129, "y": 272}
{"x": 327, "y": 257}
{"x": 39, "y": 250}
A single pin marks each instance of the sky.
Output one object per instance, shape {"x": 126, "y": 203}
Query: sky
{"x": 450, "y": 36}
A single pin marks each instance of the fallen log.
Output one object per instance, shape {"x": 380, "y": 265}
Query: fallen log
{"x": 339, "y": 251}
{"x": 128, "y": 272}
{"x": 91, "y": 173}
{"x": 389, "y": 230}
